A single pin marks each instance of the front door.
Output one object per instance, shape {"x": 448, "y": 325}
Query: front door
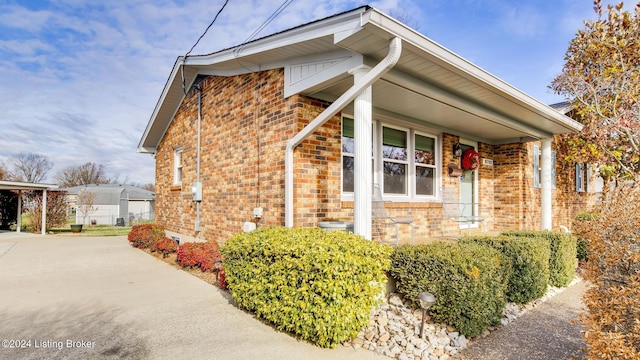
{"x": 468, "y": 189}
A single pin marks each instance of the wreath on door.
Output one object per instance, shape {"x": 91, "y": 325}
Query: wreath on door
{"x": 470, "y": 159}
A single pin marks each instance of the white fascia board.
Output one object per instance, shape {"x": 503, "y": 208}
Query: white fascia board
{"x": 18, "y": 185}
{"x": 466, "y": 68}
{"x": 304, "y": 73}
{"x": 173, "y": 84}
{"x": 348, "y": 22}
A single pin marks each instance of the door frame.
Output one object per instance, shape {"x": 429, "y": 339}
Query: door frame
{"x": 475, "y": 187}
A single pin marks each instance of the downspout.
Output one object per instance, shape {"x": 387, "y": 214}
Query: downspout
{"x": 198, "y": 184}
{"x": 395, "y": 49}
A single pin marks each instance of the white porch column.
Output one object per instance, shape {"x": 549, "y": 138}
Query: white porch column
{"x": 545, "y": 182}
{"x": 43, "y": 231}
{"x": 19, "y": 219}
{"x": 362, "y": 186}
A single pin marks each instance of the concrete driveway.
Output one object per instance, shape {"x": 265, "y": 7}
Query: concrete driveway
{"x": 99, "y": 298}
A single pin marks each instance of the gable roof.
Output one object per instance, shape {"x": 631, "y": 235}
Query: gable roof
{"x": 133, "y": 192}
{"x": 429, "y": 85}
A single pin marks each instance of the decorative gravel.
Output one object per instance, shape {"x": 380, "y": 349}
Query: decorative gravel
{"x": 394, "y": 330}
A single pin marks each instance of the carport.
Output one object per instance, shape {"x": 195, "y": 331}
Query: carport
{"x": 22, "y": 186}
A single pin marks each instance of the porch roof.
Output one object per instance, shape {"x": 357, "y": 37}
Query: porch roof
{"x": 430, "y": 85}
{"x": 15, "y": 185}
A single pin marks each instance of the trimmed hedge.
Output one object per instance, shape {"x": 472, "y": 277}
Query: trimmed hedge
{"x": 317, "y": 284}
{"x": 529, "y": 260}
{"x": 562, "y": 260}
{"x": 469, "y": 282}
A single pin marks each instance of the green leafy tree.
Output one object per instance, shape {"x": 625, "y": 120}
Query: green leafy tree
{"x": 601, "y": 77}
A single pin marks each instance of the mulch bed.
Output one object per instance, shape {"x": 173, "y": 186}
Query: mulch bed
{"x": 207, "y": 276}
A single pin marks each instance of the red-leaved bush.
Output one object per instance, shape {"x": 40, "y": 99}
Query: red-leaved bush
{"x": 202, "y": 255}
{"x": 145, "y": 236}
{"x": 222, "y": 280}
{"x": 210, "y": 253}
{"x": 187, "y": 254}
{"x": 166, "y": 245}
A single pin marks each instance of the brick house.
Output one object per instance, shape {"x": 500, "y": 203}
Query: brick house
{"x": 303, "y": 123}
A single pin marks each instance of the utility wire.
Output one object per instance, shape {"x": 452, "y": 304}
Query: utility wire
{"x": 272, "y": 17}
{"x": 184, "y": 85}
{"x": 207, "y": 29}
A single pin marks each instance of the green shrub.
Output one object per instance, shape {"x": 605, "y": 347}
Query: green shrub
{"x": 468, "y": 281}
{"x": 562, "y": 260}
{"x": 319, "y": 285}
{"x": 529, "y": 260}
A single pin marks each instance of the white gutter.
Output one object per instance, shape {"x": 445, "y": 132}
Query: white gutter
{"x": 395, "y": 49}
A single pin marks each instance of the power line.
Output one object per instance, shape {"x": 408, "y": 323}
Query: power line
{"x": 184, "y": 85}
{"x": 271, "y": 17}
{"x": 207, "y": 29}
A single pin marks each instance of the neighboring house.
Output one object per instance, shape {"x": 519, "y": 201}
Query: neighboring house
{"x": 113, "y": 201}
{"x": 303, "y": 123}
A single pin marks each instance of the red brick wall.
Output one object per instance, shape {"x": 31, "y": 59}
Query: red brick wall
{"x": 246, "y": 123}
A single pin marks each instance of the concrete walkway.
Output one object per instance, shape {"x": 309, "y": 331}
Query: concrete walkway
{"x": 549, "y": 331}
{"x": 99, "y": 298}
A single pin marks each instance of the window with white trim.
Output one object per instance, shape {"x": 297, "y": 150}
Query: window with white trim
{"x": 404, "y": 161}
{"x": 537, "y": 167}
{"x": 348, "y": 148}
{"x": 394, "y": 161}
{"x": 177, "y": 166}
{"x": 425, "y": 164}
{"x": 583, "y": 177}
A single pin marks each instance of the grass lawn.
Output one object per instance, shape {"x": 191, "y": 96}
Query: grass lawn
{"x": 96, "y": 230}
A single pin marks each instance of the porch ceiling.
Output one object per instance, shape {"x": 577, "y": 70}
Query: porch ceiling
{"x": 432, "y": 86}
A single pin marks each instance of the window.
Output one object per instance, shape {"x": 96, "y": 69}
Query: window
{"x": 177, "y": 166}
{"x": 425, "y": 163}
{"x": 583, "y": 177}
{"x": 395, "y": 161}
{"x": 404, "y": 161}
{"x": 537, "y": 167}
{"x": 348, "y": 148}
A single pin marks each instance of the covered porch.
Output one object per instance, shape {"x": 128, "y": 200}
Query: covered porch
{"x": 22, "y": 186}
{"x": 390, "y": 75}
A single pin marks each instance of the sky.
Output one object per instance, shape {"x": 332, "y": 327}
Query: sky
{"x": 79, "y": 79}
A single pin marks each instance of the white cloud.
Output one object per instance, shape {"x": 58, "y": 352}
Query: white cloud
{"x": 21, "y": 18}
{"x": 79, "y": 79}
{"x": 524, "y": 21}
